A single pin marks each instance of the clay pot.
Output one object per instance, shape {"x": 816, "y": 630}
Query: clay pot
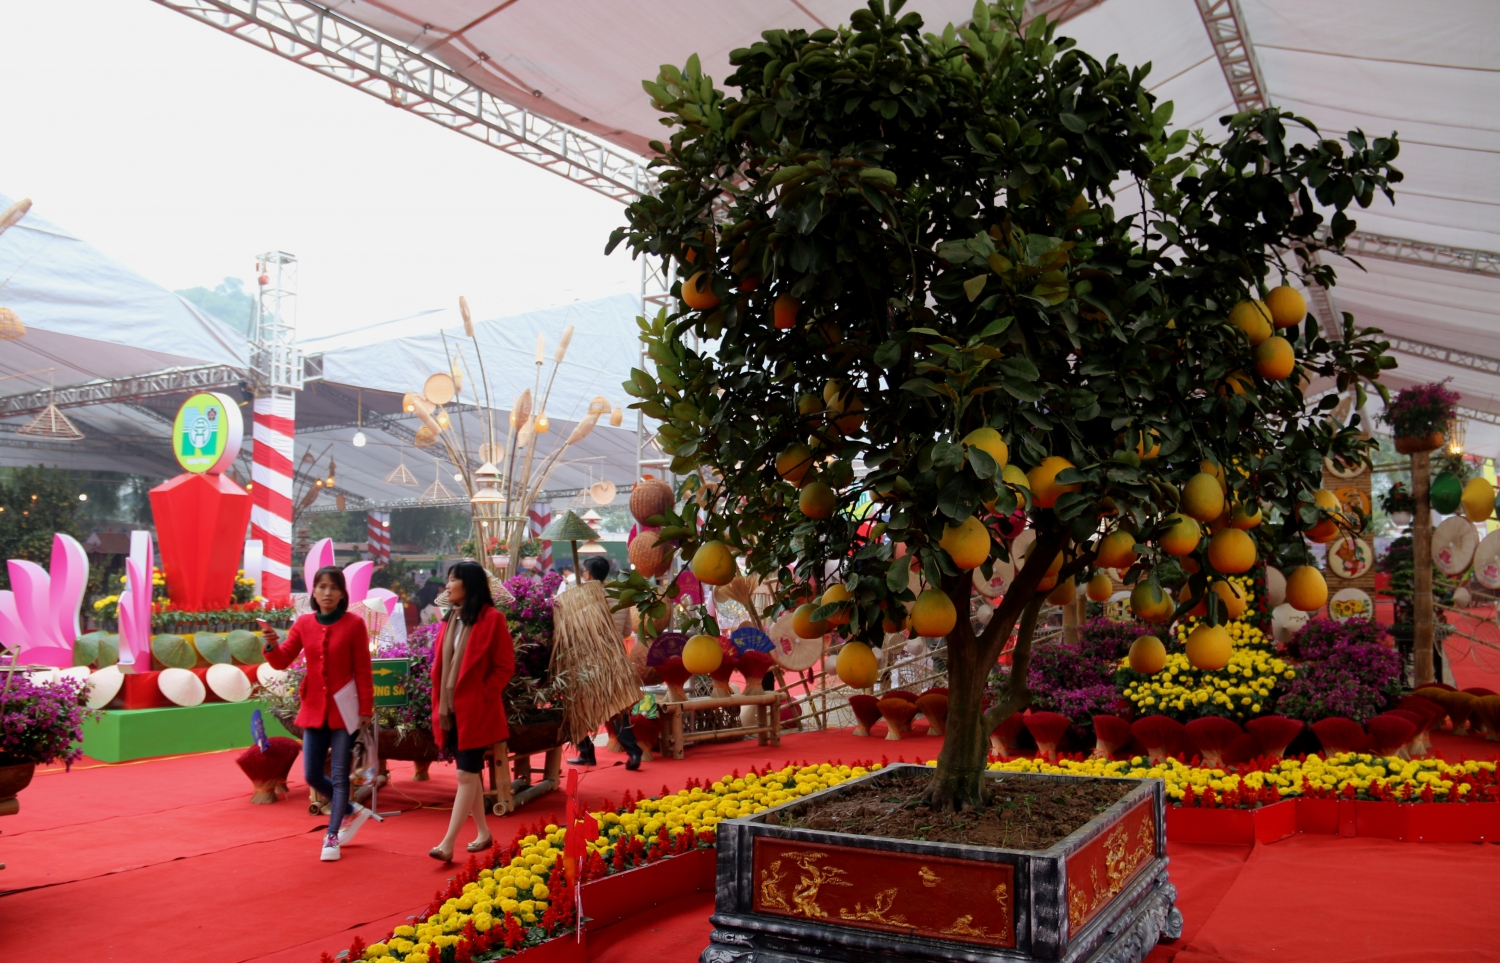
{"x": 1415, "y": 444}
{"x": 15, "y": 778}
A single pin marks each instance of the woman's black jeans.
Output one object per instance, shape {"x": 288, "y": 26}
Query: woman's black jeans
{"x": 316, "y": 745}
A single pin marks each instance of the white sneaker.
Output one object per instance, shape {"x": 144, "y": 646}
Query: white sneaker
{"x": 355, "y": 820}
{"x": 330, "y": 848}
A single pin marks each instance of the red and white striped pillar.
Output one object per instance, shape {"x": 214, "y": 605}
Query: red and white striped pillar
{"x": 378, "y": 532}
{"x": 271, "y": 507}
{"x": 541, "y": 517}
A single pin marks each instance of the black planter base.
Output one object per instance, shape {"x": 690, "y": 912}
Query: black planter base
{"x": 1145, "y": 915}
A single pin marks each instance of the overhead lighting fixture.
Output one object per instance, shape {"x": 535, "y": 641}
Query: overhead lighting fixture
{"x": 359, "y": 439}
{"x": 359, "y": 421}
{"x": 83, "y": 496}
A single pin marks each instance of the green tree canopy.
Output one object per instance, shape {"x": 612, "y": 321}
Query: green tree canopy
{"x": 891, "y": 238}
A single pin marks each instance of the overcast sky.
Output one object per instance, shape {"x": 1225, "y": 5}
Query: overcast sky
{"x": 184, "y": 152}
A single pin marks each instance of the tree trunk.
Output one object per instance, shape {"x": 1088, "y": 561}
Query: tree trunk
{"x": 1071, "y": 619}
{"x": 959, "y": 781}
{"x": 1421, "y": 553}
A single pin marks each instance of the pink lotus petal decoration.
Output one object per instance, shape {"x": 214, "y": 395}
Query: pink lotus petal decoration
{"x": 11, "y": 629}
{"x": 357, "y": 579}
{"x": 69, "y": 576}
{"x": 319, "y": 556}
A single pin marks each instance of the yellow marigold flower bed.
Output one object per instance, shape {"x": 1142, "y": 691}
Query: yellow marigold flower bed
{"x": 1242, "y": 690}
{"x": 1348, "y": 775}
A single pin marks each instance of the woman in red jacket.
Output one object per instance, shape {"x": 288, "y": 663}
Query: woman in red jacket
{"x": 471, "y": 665}
{"x": 338, "y": 674}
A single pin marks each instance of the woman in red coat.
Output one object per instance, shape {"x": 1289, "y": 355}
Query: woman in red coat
{"x": 472, "y": 664}
{"x": 338, "y": 672}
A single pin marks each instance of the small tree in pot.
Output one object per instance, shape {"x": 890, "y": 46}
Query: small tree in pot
{"x": 901, "y": 251}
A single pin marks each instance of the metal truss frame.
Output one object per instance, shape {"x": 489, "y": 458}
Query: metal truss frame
{"x": 456, "y": 502}
{"x": 1225, "y": 23}
{"x": 1449, "y": 356}
{"x": 1476, "y": 414}
{"x": 318, "y": 39}
{"x": 125, "y": 390}
{"x": 1385, "y": 248}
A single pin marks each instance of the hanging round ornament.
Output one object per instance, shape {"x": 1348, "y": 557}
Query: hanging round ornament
{"x": 1349, "y": 471}
{"x": 1487, "y": 561}
{"x": 1446, "y": 493}
{"x": 1350, "y": 557}
{"x": 1453, "y": 545}
{"x": 1351, "y": 603}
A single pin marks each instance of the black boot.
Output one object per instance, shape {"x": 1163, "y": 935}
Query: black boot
{"x": 585, "y": 754}
{"x": 626, "y": 735}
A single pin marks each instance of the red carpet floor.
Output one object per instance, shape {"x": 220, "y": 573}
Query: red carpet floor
{"x": 165, "y": 861}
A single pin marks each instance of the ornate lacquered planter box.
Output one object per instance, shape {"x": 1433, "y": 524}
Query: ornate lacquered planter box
{"x": 792, "y": 895}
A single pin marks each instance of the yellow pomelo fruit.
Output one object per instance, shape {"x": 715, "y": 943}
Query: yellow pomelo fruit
{"x": 988, "y": 440}
{"x": 1043, "y": 481}
{"x": 1274, "y": 358}
{"x": 713, "y": 564}
{"x": 1100, "y": 588}
{"x": 1064, "y": 593}
{"x": 1231, "y": 552}
{"x": 784, "y": 312}
{"x": 1116, "y": 550}
{"x": 851, "y": 411}
{"x": 1238, "y": 382}
{"x": 1208, "y": 648}
{"x": 1478, "y": 499}
{"x": 1212, "y": 468}
{"x": 817, "y": 500}
{"x": 1013, "y": 475}
{"x": 702, "y": 654}
{"x": 857, "y": 666}
{"x": 1147, "y": 655}
{"x": 933, "y": 616}
{"x": 1182, "y": 535}
{"x": 1243, "y": 518}
{"x": 1186, "y": 595}
{"x": 1287, "y": 306}
{"x": 794, "y": 463}
{"x": 1232, "y": 597}
{"x": 1253, "y": 318}
{"x": 838, "y": 593}
{"x": 1306, "y": 589}
{"x": 968, "y": 543}
{"x": 698, "y": 294}
{"x": 1149, "y": 603}
{"x": 803, "y": 625}
{"x": 1203, "y": 498}
{"x": 1140, "y": 446}
{"x": 1327, "y": 529}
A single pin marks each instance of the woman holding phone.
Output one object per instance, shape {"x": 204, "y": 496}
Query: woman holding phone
{"x": 471, "y": 666}
{"x": 337, "y": 694}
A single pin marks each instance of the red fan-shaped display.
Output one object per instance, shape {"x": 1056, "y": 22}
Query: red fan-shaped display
{"x": 1338, "y": 734}
{"x": 676, "y": 676}
{"x": 727, "y": 667}
{"x": 941, "y": 690}
{"x": 1211, "y": 736}
{"x": 753, "y": 667}
{"x": 1437, "y": 685}
{"x": 1274, "y": 733}
{"x": 1048, "y": 729}
{"x": 1431, "y": 716}
{"x": 1003, "y": 739}
{"x": 1389, "y": 732}
{"x": 1111, "y": 734}
{"x": 934, "y": 706}
{"x": 897, "y": 714}
{"x": 268, "y": 768}
{"x": 646, "y": 731}
{"x": 866, "y": 709}
{"x": 1460, "y": 709}
{"x": 1479, "y": 690}
{"x": 1243, "y": 748}
{"x": 900, "y": 694}
{"x": 1487, "y": 710}
{"x": 1159, "y": 734}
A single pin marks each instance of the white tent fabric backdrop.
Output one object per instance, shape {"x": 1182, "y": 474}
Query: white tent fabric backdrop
{"x": 1427, "y": 71}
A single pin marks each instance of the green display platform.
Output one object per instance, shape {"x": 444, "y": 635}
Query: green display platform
{"x": 123, "y": 734}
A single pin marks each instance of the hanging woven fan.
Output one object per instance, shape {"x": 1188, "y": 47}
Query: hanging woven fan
{"x": 602, "y": 492}
{"x": 426, "y": 437}
{"x": 51, "y": 423}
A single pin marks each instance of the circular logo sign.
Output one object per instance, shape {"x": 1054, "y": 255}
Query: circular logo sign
{"x": 207, "y": 433}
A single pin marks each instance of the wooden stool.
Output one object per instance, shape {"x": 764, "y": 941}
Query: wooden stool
{"x": 767, "y": 728}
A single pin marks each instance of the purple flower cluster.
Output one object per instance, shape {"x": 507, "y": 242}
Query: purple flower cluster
{"x": 1422, "y": 409}
{"x": 1077, "y": 681}
{"x": 530, "y": 620}
{"x": 417, "y": 713}
{"x": 1346, "y": 670}
{"x": 42, "y": 723}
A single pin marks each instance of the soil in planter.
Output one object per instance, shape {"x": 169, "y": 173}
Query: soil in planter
{"x": 1023, "y": 813}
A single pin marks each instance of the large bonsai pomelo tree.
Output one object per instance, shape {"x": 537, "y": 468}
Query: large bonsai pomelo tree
{"x": 891, "y": 239}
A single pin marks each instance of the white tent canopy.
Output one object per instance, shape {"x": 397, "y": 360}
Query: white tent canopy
{"x": 1425, "y": 71}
